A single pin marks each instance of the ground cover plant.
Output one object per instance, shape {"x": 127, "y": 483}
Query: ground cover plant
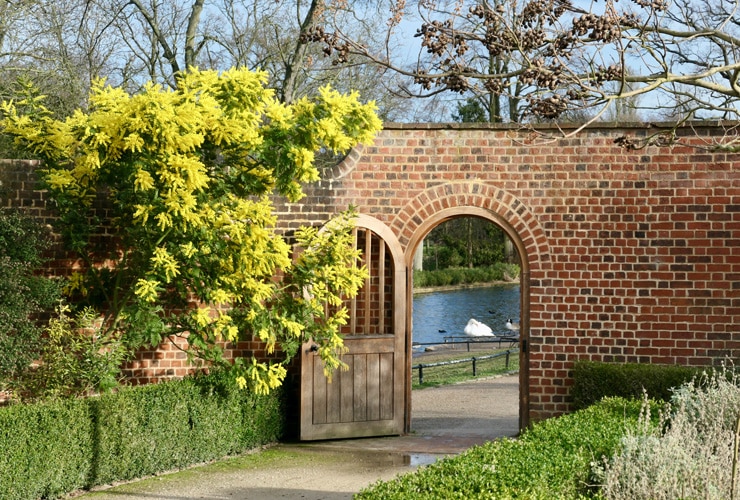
{"x": 692, "y": 453}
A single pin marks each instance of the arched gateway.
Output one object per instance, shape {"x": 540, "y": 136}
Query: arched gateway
{"x": 627, "y": 255}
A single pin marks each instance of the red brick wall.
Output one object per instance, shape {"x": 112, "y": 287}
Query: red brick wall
{"x": 628, "y": 255}
{"x": 632, "y": 255}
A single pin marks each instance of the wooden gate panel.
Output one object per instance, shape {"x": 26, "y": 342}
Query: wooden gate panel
{"x": 368, "y": 398}
{"x": 360, "y": 389}
{"x": 373, "y": 386}
{"x": 387, "y": 383}
{"x": 346, "y": 388}
{"x": 363, "y": 394}
{"x": 334, "y": 401}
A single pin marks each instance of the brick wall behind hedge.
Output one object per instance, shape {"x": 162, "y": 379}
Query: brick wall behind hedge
{"x": 628, "y": 256}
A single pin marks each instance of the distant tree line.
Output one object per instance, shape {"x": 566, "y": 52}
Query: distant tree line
{"x": 466, "y": 242}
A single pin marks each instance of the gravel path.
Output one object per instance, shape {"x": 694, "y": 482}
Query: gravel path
{"x": 445, "y": 421}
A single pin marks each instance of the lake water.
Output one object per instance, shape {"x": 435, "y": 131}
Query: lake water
{"x": 451, "y": 310}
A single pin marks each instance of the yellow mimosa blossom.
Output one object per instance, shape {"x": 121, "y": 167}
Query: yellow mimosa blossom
{"x": 232, "y": 333}
{"x": 162, "y": 259}
{"x": 190, "y": 171}
{"x": 187, "y": 249}
{"x": 60, "y": 179}
{"x": 147, "y": 289}
{"x": 163, "y": 221}
{"x": 142, "y": 213}
{"x": 202, "y": 316}
{"x": 143, "y": 180}
{"x": 221, "y": 297}
{"x": 133, "y": 142}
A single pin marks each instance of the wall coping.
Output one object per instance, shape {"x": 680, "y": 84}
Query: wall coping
{"x": 699, "y": 124}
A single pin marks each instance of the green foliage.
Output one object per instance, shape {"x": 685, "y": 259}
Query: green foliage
{"x": 593, "y": 381}
{"x": 74, "y": 360}
{"x": 435, "y": 376}
{"x": 186, "y": 175}
{"x": 464, "y": 275}
{"x": 550, "y": 461}
{"x": 45, "y": 449}
{"x": 471, "y": 111}
{"x": 53, "y": 448}
{"x": 22, "y": 294}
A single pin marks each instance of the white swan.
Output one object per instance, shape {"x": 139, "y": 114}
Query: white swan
{"x": 512, "y": 326}
{"x": 475, "y": 328}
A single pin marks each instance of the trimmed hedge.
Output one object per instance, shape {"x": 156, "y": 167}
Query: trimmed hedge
{"x": 50, "y": 449}
{"x": 45, "y": 449}
{"x": 552, "y": 460}
{"x": 594, "y": 381}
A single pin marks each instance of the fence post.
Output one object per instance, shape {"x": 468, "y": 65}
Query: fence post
{"x": 474, "y": 372}
{"x": 421, "y": 374}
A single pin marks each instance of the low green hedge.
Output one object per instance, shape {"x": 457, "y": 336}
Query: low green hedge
{"x": 50, "y": 449}
{"x": 594, "y": 381}
{"x": 552, "y": 460}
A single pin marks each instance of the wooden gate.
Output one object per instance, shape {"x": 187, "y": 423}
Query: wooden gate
{"x": 368, "y": 399}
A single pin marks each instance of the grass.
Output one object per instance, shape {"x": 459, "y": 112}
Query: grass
{"x": 435, "y": 376}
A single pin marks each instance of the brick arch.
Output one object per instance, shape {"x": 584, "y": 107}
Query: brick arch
{"x": 345, "y": 166}
{"x": 432, "y": 206}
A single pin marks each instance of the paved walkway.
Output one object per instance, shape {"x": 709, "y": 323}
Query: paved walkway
{"x": 445, "y": 421}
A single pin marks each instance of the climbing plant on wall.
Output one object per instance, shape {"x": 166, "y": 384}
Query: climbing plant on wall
{"x": 163, "y": 196}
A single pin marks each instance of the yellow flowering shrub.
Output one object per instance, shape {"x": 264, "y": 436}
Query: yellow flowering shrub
{"x": 187, "y": 174}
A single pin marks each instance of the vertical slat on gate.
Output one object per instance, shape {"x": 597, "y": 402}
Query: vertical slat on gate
{"x": 319, "y": 393}
{"x": 386, "y": 386}
{"x": 333, "y": 398}
{"x": 353, "y": 302}
{"x": 368, "y": 290}
{"x": 381, "y": 287}
{"x": 346, "y": 389}
{"x": 373, "y": 386}
{"x": 360, "y": 388}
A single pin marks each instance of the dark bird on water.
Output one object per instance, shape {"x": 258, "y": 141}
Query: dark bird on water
{"x": 512, "y": 326}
